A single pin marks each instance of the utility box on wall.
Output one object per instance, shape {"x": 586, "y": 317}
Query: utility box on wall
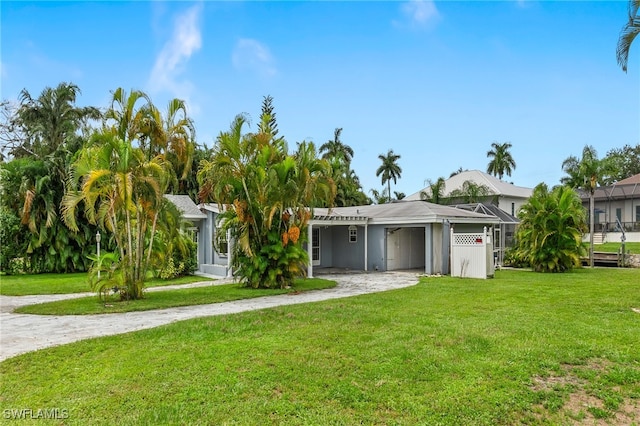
{"x": 472, "y": 255}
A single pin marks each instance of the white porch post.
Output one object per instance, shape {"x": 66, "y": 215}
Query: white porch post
{"x": 366, "y": 246}
{"x": 310, "y": 250}
{"x": 229, "y": 254}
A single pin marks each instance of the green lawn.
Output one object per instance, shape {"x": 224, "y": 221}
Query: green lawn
{"x": 167, "y": 299}
{"x": 523, "y": 348}
{"x": 22, "y": 285}
{"x": 634, "y": 248}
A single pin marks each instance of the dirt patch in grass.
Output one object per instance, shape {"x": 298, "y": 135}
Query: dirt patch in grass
{"x": 585, "y": 397}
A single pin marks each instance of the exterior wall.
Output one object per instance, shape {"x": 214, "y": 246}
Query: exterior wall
{"x": 210, "y": 261}
{"x": 377, "y": 242}
{"x": 504, "y": 204}
{"x": 346, "y": 254}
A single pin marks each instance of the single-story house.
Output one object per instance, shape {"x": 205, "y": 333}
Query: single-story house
{"x": 386, "y": 237}
{"x": 617, "y": 208}
{"x": 379, "y": 237}
{"x": 506, "y": 196}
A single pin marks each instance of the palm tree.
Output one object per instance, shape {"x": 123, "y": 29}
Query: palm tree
{"x": 49, "y": 125}
{"x": 435, "y": 193}
{"x": 172, "y": 137}
{"x": 389, "y": 169}
{"x": 501, "y": 160}
{"x": 628, "y": 33}
{"x": 586, "y": 173}
{"x": 550, "y": 231}
{"x": 336, "y": 149}
{"x": 470, "y": 192}
{"x": 122, "y": 189}
{"x": 268, "y": 193}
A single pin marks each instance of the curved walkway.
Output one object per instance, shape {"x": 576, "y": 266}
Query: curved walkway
{"x": 20, "y": 333}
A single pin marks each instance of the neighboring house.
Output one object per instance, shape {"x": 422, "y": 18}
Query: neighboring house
{"x": 386, "y": 237}
{"x": 619, "y": 202}
{"x": 508, "y": 197}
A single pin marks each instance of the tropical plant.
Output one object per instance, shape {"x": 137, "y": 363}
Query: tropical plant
{"x": 470, "y": 192}
{"x": 389, "y": 170}
{"x": 435, "y": 192}
{"x": 42, "y": 134}
{"x": 171, "y": 137}
{"x": 380, "y": 197}
{"x": 399, "y": 195}
{"x": 122, "y": 189}
{"x": 348, "y": 188}
{"x": 266, "y": 197}
{"x": 501, "y": 160}
{"x": 628, "y": 33}
{"x": 587, "y": 173}
{"x": 550, "y": 231}
{"x": 334, "y": 148}
{"x": 623, "y": 162}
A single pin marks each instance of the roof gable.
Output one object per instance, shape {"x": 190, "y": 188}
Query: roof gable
{"x": 495, "y": 185}
{"x": 187, "y": 207}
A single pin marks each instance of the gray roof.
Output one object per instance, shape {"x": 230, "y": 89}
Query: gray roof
{"x": 495, "y": 185}
{"x": 401, "y": 212}
{"x": 489, "y": 209}
{"x": 186, "y": 206}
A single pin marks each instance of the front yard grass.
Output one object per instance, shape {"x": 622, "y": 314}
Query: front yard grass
{"x": 523, "y": 348}
{"x": 167, "y": 299}
{"x": 23, "y": 285}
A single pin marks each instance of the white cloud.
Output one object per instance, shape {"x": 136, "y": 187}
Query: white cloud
{"x": 251, "y": 55}
{"x": 418, "y": 13}
{"x": 172, "y": 59}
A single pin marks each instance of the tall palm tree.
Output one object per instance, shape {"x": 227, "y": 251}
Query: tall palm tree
{"x": 628, "y": 33}
{"x": 389, "y": 170}
{"x": 586, "y": 173}
{"x": 501, "y": 160}
{"x": 122, "y": 189}
{"x": 336, "y": 149}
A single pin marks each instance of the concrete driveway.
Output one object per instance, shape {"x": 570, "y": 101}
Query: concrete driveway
{"x": 20, "y": 333}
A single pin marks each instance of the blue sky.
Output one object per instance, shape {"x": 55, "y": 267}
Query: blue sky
{"x": 437, "y": 82}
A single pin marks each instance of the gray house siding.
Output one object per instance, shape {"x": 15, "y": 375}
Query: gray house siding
{"x": 211, "y": 262}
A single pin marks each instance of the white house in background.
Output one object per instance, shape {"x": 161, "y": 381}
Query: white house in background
{"x": 619, "y": 202}
{"x": 506, "y": 196}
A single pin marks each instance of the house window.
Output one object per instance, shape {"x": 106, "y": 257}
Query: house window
{"x": 513, "y": 209}
{"x": 315, "y": 246}
{"x": 220, "y": 243}
{"x": 353, "y": 234}
{"x": 637, "y": 213}
{"x": 619, "y": 214}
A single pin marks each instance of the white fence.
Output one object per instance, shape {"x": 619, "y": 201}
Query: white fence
{"x": 472, "y": 255}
